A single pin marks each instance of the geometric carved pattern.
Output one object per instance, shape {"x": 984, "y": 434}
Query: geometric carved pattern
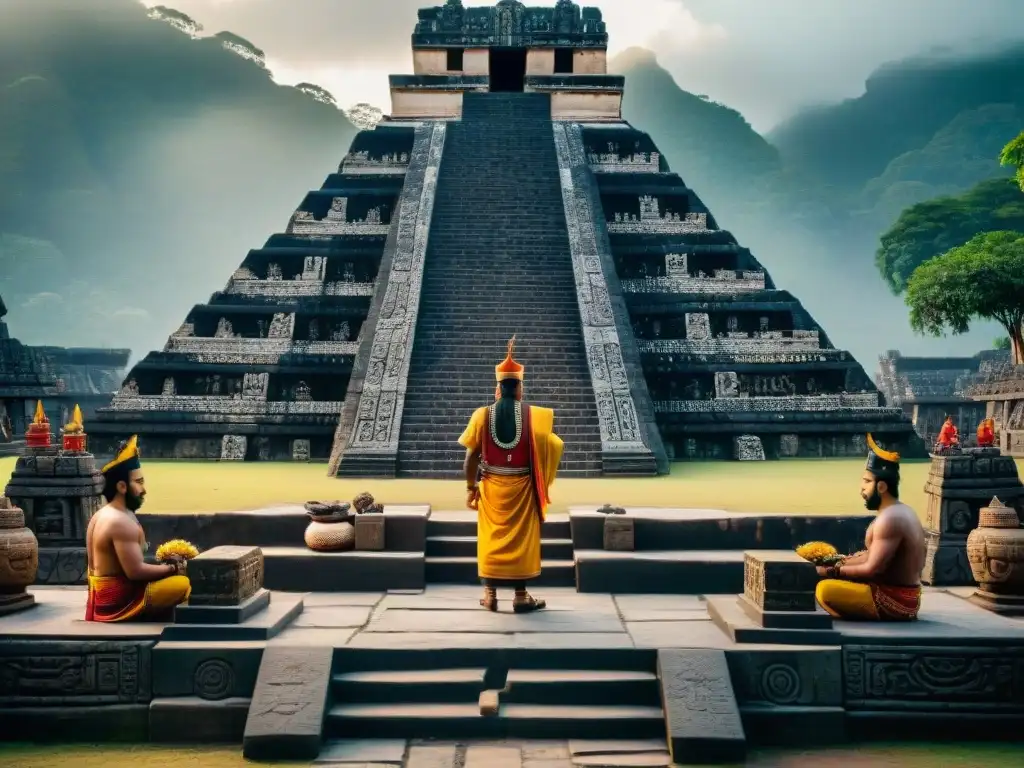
{"x": 620, "y": 428}
{"x": 379, "y": 415}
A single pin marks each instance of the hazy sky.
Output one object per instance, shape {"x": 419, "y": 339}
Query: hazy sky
{"x": 765, "y": 58}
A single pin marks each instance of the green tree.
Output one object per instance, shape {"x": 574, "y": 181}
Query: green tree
{"x": 928, "y": 229}
{"x": 982, "y": 279}
{"x": 1013, "y": 155}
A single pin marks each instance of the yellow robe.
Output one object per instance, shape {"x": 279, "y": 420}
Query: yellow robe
{"x": 511, "y": 510}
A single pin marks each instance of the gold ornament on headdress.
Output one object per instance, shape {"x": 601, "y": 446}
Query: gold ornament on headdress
{"x": 129, "y": 452}
{"x": 509, "y": 368}
{"x": 890, "y": 456}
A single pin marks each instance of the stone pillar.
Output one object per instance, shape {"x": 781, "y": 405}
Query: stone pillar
{"x": 59, "y": 493}
{"x": 958, "y": 486}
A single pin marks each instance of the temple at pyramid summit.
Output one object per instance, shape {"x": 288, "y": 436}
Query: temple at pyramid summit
{"x": 503, "y": 194}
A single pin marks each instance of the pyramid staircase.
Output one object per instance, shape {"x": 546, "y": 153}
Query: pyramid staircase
{"x": 451, "y": 552}
{"x": 497, "y": 263}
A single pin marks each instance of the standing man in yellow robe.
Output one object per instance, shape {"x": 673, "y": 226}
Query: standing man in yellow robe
{"x": 122, "y": 585}
{"x": 512, "y": 449}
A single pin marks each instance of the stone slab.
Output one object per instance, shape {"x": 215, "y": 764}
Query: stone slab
{"x": 780, "y": 676}
{"x": 282, "y": 611}
{"x": 701, "y": 714}
{"x": 348, "y": 751}
{"x": 13, "y": 603}
{"x": 678, "y": 634}
{"x": 670, "y": 528}
{"x": 208, "y": 671}
{"x": 658, "y": 759}
{"x": 192, "y": 720}
{"x": 332, "y": 637}
{"x": 280, "y": 526}
{"x": 431, "y": 757}
{"x": 726, "y": 613}
{"x": 62, "y": 565}
{"x": 487, "y": 756}
{"x": 814, "y": 619}
{"x": 76, "y": 724}
{"x": 223, "y": 614}
{"x": 614, "y": 746}
{"x": 286, "y": 715}
{"x": 328, "y": 599}
{"x": 460, "y": 621}
{"x": 297, "y": 569}
{"x": 334, "y": 617}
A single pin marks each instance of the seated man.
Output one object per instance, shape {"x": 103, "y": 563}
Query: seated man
{"x": 948, "y": 440}
{"x": 883, "y": 582}
{"x": 122, "y": 586}
{"x": 987, "y": 433}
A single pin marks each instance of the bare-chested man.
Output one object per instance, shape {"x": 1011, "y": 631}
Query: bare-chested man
{"x": 122, "y": 586}
{"x": 882, "y": 583}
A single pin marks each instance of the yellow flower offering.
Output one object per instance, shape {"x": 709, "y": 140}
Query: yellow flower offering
{"x": 816, "y": 551}
{"x": 177, "y": 549}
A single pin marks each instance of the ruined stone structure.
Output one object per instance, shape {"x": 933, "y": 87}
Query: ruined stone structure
{"x": 504, "y": 194}
{"x": 929, "y": 389}
{"x": 61, "y": 378}
{"x": 1000, "y": 387}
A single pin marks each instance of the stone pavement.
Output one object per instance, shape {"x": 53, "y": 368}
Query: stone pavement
{"x": 449, "y": 616}
{"x": 390, "y": 753}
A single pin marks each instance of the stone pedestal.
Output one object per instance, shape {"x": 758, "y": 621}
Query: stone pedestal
{"x": 19, "y": 559}
{"x": 369, "y": 532}
{"x": 228, "y": 601}
{"x": 958, "y": 486}
{"x": 59, "y": 493}
{"x": 619, "y": 534}
{"x": 777, "y": 604}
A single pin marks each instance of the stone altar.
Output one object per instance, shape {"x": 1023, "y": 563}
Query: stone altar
{"x": 59, "y": 492}
{"x": 958, "y": 486}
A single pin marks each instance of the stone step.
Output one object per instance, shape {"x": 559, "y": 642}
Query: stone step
{"x": 446, "y": 686}
{"x": 463, "y": 570}
{"x": 441, "y": 525}
{"x": 465, "y": 546}
{"x": 675, "y": 572}
{"x": 464, "y": 721}
{"x": 427, "y": 470}
{"x": 577, "y": 686}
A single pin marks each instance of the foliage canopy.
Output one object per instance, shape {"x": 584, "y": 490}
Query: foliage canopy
{"x": 982, "y": 279}
{"x": 1013, "y": 155}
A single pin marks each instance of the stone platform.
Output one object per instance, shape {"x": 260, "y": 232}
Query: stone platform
{"x": 413, "y": 664}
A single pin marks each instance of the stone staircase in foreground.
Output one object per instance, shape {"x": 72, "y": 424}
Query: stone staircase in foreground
{"x": 546, "y": 695}
{"x": 451, "y": 553}
{"x": 497, "y": 263}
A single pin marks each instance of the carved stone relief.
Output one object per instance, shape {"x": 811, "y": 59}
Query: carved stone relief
{"x": 233, "y": 447}
{"x": 698, "y": 326}
{"x": 676, "y": 265}
{"x": 378, "y": 418}
{"x": 254, "y": 385}
{"x": 620, "y": 428}
{"x": 282, "y": 326}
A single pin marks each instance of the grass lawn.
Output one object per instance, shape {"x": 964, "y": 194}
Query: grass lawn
{"x": 792, "y": 486}
{"x": 856, "y": 756}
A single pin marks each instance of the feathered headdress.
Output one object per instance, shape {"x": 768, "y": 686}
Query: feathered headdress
{"x": 509, "y": 368}
{"x": 881, "y": 462}
{"x": 127, "y": 458}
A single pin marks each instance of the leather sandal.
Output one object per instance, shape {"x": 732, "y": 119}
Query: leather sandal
{"x": 528, "y": 605}
{"x": 490, "y": 602}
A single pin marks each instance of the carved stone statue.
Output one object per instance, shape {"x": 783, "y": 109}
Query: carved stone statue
{"x": 224, "y": 329}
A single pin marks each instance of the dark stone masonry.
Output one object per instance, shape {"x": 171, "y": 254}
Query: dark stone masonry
{"x": 504, "y": 194}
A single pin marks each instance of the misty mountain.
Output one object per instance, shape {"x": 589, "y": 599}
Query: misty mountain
{"x": 137, "y": 166}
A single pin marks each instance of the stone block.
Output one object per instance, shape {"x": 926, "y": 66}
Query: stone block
{"x": 788, "y": 618}
{"x": 286, "y": 716}
{"x": 619, "y": 534}
{"x": 55, "y": 673}
{"x": 223, "y": 614}
{"x": 370, "y": 532}
{"x": 779, "y": 580}
{"x": 225, "y": 575}
{"x": 62, "y": 565}
{"x": 46, "y": 466}
{"x": 65, "y": 466}
{"x": 701, "y": 714}
{"x": 209, "y": 671}
{"x": 193, "y": 720}
{"x": 810, "y": 677}
{"x": 73, "y": 723}
{"x": 264, "y": 625}
{"x": 727, "y": 614}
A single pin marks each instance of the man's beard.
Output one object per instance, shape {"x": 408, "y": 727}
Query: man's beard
{"x": 132, "y": 502}
{"x": 874, "y": 501}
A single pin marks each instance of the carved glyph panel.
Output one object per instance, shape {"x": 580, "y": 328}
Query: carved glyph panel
{"x": 379, "y": 414}
{"x": 620, "y": 428}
